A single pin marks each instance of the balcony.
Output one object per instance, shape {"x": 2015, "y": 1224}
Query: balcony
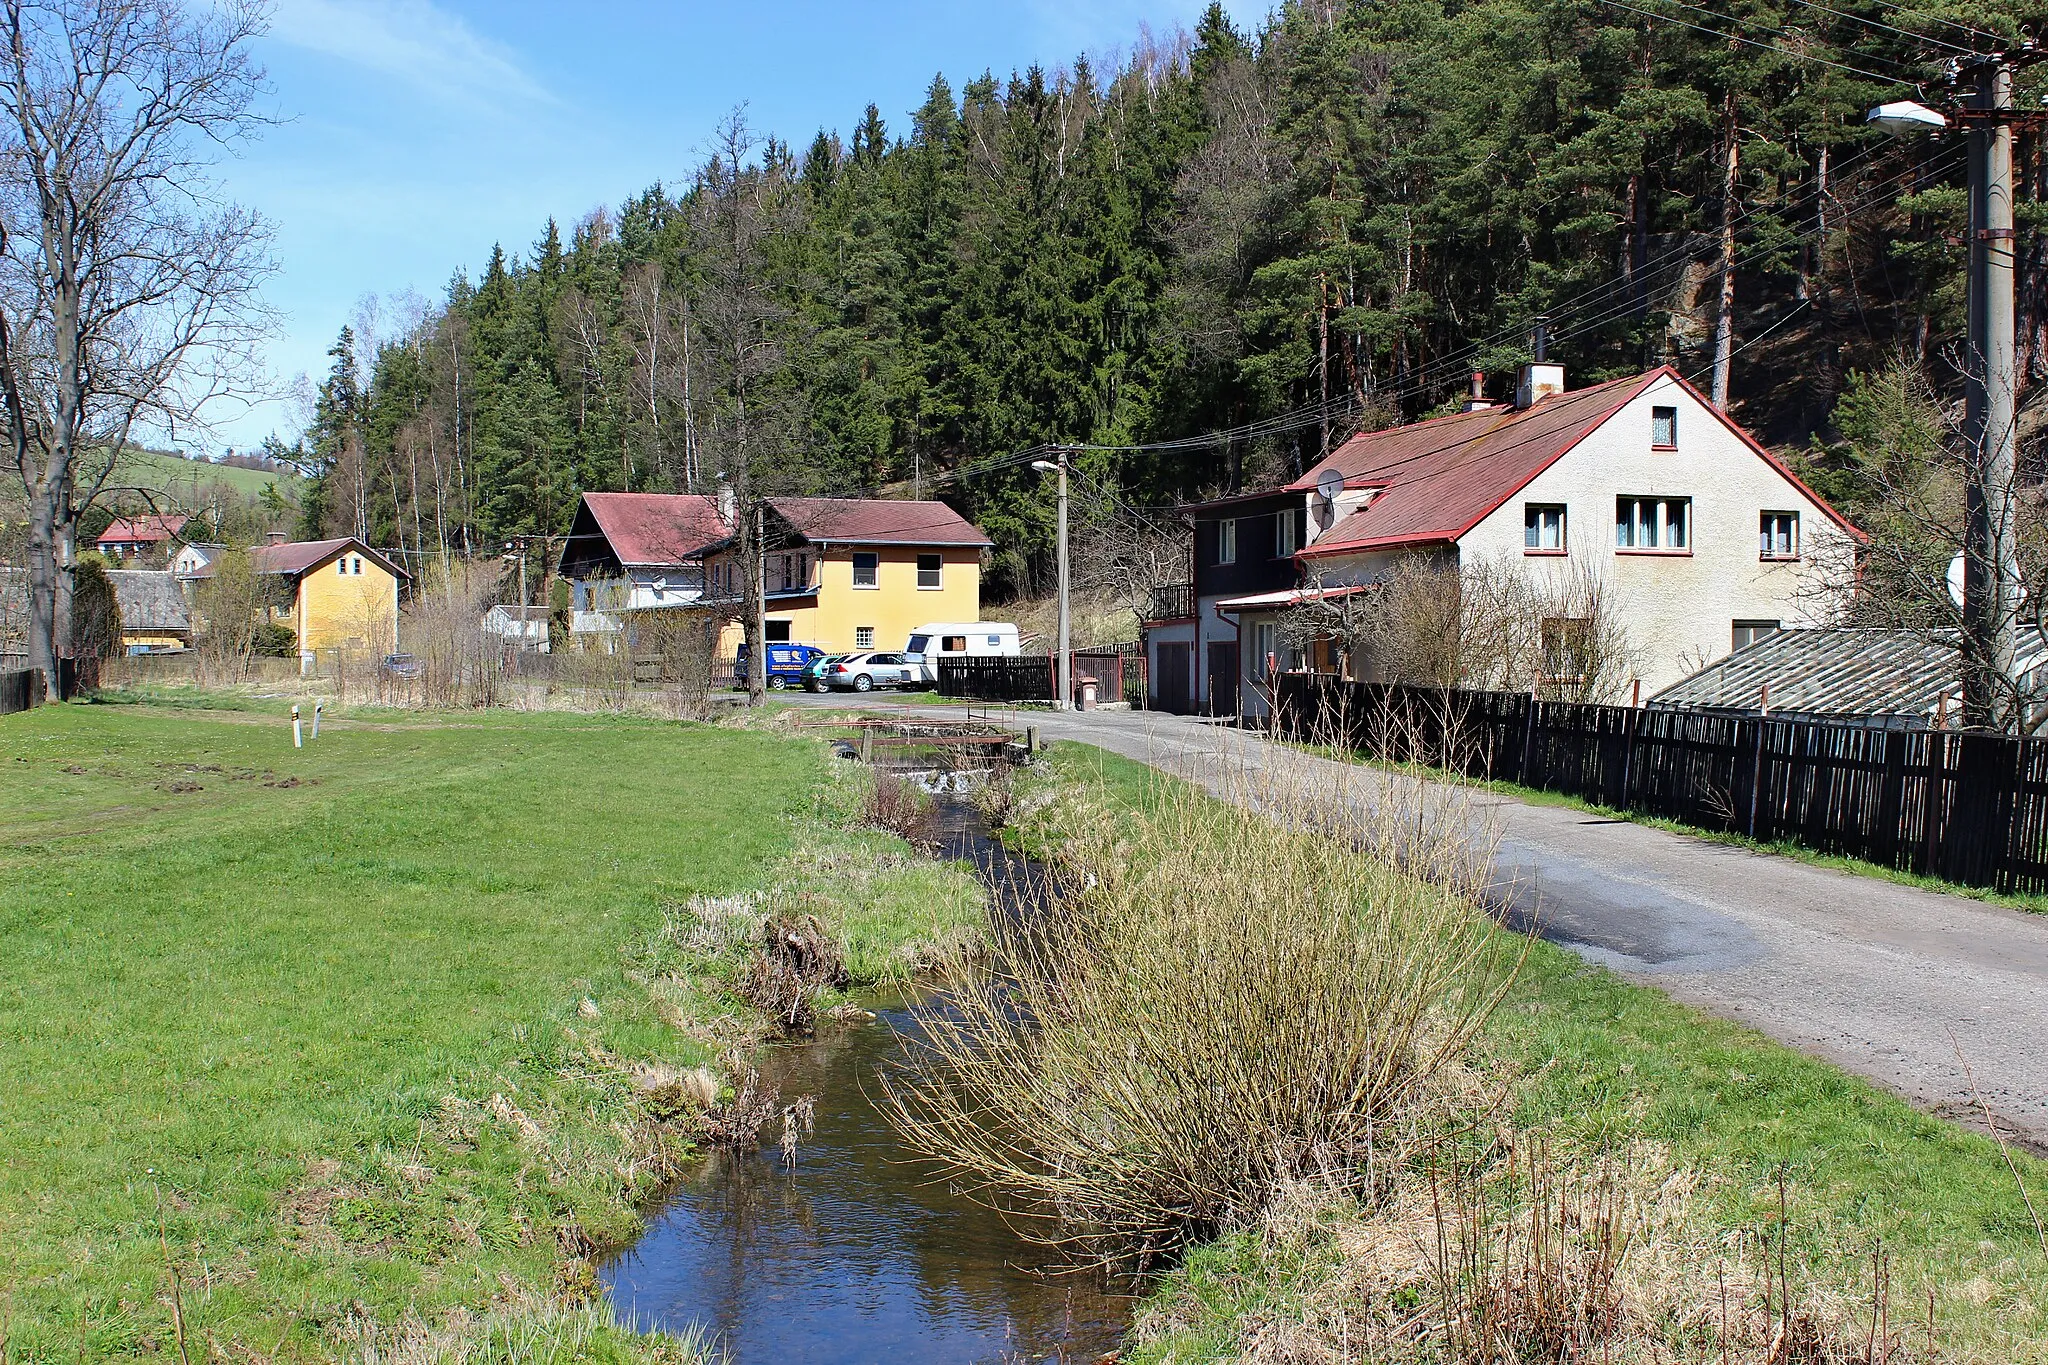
{"x": 1172, "y": 602}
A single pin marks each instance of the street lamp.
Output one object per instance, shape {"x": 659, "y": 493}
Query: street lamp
{"x": 1990, "y": 559}
{"x": 1065, "y": 672}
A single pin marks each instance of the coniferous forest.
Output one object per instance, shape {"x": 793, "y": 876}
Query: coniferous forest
{"x": 1258, "y": 240}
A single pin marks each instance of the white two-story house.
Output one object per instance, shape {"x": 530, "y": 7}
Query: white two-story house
{"x": 1699, "y": 538}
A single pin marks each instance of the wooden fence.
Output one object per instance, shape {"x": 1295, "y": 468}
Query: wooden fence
{"x": 20, "y": 689}
{"x": 1967, "y": 808}
{"x": 998, "y": 679}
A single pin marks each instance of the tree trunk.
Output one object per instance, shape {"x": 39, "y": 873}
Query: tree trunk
{"x": 1724, "y": 323}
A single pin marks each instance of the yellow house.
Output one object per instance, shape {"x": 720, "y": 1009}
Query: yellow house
{"x": 854, "y": 573}
{"x": 338, "y": 594}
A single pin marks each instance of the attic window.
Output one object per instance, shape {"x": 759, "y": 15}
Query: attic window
{"x": 1664, "y": 428}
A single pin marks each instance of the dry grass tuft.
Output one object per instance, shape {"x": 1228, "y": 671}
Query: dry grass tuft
{"x": 897, "y": 806}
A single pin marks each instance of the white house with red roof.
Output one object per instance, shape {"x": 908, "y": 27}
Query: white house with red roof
{"x": 1700, "y": 538}
{"x": 636, "y": 552}
{"x": 140, "y": 537}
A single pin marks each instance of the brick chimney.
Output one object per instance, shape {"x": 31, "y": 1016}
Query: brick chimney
{"x": 273, "y": 537}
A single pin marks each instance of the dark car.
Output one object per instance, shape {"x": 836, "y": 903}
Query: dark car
{"x": 814, "y": 671}
{"x": 786, "y": 665}
{"x": 399, "y": 666}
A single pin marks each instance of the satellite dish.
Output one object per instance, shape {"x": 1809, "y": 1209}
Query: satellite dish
{"x": 1329, "y": 485}
{"x": 1955, "y": 579}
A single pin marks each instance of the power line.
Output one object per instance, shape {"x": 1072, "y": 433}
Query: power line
{"x": 1898, "y": 8}
{"x": 1752, "y": 42}
{"x": 1882, "y": 26}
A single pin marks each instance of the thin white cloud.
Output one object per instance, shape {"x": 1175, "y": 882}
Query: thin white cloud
{"x": 412, "y": 41}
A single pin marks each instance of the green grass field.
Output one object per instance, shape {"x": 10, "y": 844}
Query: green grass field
{"x": 345, "y": 1036}
{"x": 174, "y": 475}
{"x": 1598, "y": 1063}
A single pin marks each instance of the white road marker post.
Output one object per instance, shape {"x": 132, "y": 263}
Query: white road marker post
{"x": 298, "y": 733}
{"x": 317, "y": 706}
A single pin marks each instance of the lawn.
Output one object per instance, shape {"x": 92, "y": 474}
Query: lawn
{"x": 345, "y": 1036}
{"x": 1598, "y": 1064}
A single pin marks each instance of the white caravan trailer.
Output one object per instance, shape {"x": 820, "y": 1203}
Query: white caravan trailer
{"x": 936, "y": 640}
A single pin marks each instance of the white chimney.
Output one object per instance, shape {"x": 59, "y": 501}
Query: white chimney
{"x": 1540, "y": 380}
{"x": 727, "y": 507}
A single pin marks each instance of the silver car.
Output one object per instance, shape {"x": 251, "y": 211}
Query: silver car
{"x": 866, "y": 672}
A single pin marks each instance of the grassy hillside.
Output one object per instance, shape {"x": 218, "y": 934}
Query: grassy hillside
{"x": 347, "y": 1042}
{"x": 175, "y": 476}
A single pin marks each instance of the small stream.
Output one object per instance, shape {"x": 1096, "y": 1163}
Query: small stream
{"x": 853, "y": 1254}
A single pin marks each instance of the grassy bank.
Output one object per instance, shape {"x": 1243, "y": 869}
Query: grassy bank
{"x": 1716, "y": 1124}
{"x": 365, "y": 1046}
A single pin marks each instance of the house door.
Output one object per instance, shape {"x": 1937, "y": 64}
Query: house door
{"x": 1172, "y": 678}
{"x": 1222, "y": 697}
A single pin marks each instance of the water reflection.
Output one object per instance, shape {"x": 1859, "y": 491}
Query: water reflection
{"x": 850, "y": 1254}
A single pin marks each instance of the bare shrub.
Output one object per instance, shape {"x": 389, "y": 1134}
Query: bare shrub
{"x": 1489, "y": 624}
{"x": 737, "y": 1123}
{"x": 460, "y": 664}
{"x": 897, "y": 806}
{"x": 795, "y": 959}
{"x": 1217, "y": 1002}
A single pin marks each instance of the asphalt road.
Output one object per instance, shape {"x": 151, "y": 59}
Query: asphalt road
{"x": 1887, "y": 981}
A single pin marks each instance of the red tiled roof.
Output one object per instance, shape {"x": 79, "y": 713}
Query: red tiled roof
{"x": 646, "y": 529}
{"x": 1442, "y": 477}
{"x": 143, "y": 530}
{"x": 877, "y": 521}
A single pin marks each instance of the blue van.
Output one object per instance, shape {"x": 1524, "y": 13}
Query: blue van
{"x": 786, "y": 665}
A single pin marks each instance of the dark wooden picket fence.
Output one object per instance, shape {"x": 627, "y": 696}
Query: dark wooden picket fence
{"x": 19, "y": 690}
{"x": 1023, "y": 678}
{"x": 1967, "y": 808}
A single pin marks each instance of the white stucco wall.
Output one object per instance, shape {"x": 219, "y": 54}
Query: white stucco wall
{"x": 1678, "y": 608}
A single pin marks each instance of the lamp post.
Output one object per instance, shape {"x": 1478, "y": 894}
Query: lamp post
{"x": 1065, "y": 669}
{"x": 1990, "y": 559}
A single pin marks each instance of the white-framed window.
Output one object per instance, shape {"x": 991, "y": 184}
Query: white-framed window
{"x": 1288, "y": 528}
{"x": 867, "y": 570}
{"x": 1777, "y": 535}
{"x": 1653, "y": 524}
{"x": 863, "y": 637}
{"x": 1543, "y": 528}
{"x": 1226, "y": 541}
{"x": 930, "y": 571}
{"x": 1664, "y": 428}
{"x": 1746, "y": 633}
{"x": 341, "y": 566}
{"x": 359, "y": 564}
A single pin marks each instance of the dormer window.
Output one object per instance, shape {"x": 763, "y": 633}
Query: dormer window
{"x": 1664, "y": 428}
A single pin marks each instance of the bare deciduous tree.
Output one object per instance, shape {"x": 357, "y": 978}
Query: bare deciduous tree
{"x": 127, "y": 289}
{"x": 1489, "y": 625}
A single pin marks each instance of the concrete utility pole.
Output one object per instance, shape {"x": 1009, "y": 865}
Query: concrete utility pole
{"x": 1990, "y": 559}
{"x": 1064, "y": 670}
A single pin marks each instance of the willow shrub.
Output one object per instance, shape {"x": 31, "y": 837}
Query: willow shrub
{"x": 1210, "y": 1004}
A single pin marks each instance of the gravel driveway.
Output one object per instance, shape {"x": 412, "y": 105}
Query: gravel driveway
{"x": 1882, "y": 979}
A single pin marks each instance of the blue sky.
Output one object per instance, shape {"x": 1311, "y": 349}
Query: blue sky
{"x": 415, "y": 133}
